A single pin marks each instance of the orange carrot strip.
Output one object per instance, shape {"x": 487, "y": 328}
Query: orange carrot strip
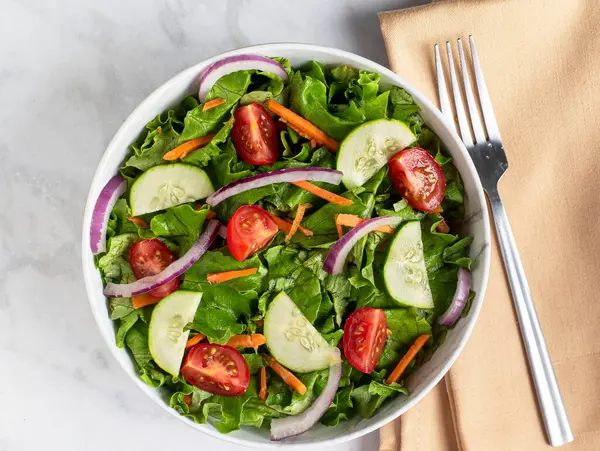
{"x": 138, "y": 221}
{"x": 303, "y": 125}
{"x": 262, "y": 394}
{"x": 219, "y": 277}
{"x": 323, "y": 193}
{"x": 212, "y": 104}
{"x": 388, "y": 331}
{"x": 259, "y": 322}
{"x": 338, "y": 226}
{"x": 313, "y": 143}
{"x": 296, "y": 129}
{"x": 187, "y": 147}
{"x": 304, "y": 230}
{"x": 297, "y": 220}
{"x": 408, "y": 357}
{"x": 353, "y": 220}
{"x": 194, "y": 340}
{"x": 283, "y": 225}
{"x": 286, "y": 375}
{"x": 143, "y": 300}
{"x": 188, "y": 400}
{"x": 247, "y": 341}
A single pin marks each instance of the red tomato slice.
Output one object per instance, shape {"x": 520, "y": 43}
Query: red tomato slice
{"x": 254, "y": 135}
{"x": 249, "y": 230}
{"x": 150, "y": 257}
{"x": 217, "y": 369}
{"x": 418, "y": 178}
{"x": 365, "y": 332}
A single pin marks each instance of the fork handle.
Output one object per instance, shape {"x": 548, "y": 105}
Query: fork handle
{"x": 550, "y": 401}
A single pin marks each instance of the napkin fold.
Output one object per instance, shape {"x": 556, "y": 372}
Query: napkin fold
{"x": 541, "y": 61}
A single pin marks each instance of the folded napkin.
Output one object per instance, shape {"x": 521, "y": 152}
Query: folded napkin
{"x": 541, "y": 61}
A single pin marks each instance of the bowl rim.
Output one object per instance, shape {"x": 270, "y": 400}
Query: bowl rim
{"x": 272, "y": 49}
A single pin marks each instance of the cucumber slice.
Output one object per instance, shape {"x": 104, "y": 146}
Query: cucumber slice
{"x": 369, "y": 147}
{"x": 404, "y": 272}
{"x": 293, "y": 340}
{"x": 166, "y": 337}
{"x": 168, "y": 185}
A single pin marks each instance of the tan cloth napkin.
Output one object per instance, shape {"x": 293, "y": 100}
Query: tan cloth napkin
{"x": 541, "y": 60}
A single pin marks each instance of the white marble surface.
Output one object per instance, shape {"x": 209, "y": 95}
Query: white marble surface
{"x": 70, "y": 72}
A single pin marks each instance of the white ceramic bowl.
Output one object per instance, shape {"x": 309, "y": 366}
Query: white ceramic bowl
{"x": 422, "y": 381}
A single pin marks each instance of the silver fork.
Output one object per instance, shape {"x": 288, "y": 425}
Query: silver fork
{"x": 491, "y": 163}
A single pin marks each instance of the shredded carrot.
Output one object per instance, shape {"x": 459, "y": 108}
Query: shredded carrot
{"x": 353, "y": 221}
{"x": 296, "y": 129}
{"x": 187, "y": 147}
{"x": 138, "y": 221}
{"x": 262, "y": 394}
{"x": 194, "y": 340}
{"x": 408, "y": 357}
{"x": 388, "y": 331}
{"x": 259, "y": 322}
{"x": 297, "y": 220}
{"x": 286, "y": 225}
{"x": 212, "y": 104}
{"x": 313, "y": 143}
{"x": 286, "y": 375}
{"x": 188, "y": 400}
{"x": 220, "y": 277}
{"x": 338, "y": 226}
{"x": 283, "y": 225}
{"x": 247, "y": 341}
{"x": 323, "y": 193}
{"x": 306, "y": 128}
{"x": 143, "y": 300}
{"x": 443, "y": 227}
{"x": 304, "y": 230}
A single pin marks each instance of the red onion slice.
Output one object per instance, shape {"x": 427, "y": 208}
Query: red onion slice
{"x": 268, "y": 178}
{"x": 282, "y": 428}
{"x": 109, "y": 195}
{"x": 234, "y": 64}
{"x": 461, "y": 296}
{"x": 174, "y": 270}
{"x": 223, "y": 232}
{"x": 334, "y": 263}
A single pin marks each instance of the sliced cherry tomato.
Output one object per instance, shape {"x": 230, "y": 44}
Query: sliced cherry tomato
{"x": 150, "y": 257}
{"x": 254, "y": 135}
{"x": 249, "y": 230}
{"x": 418, "y": 178}
{"x": 217, "y": 369}
{"x": 365, "y": 332}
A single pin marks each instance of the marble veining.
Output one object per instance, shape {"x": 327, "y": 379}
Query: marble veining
{"x": 70, "y": 73}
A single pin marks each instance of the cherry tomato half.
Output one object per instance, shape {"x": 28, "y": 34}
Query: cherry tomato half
{"x": 217, "y": 369}
{"x": 150, "y": 257}
{"x": 249, "y": 230}
{"x": 364, "y": 337}
{"x": 418, "y": 178}
{"x": 254, "y": 135}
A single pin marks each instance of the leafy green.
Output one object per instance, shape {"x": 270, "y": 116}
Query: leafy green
{"x": 368, "y": 398}
{"x": 308, "y": 97}
{"x": 114, "y": 265}
{"x": 203, "y": 156}
{"x": 230, "y": 88}
{"x": 182, "y": 223}
{"x": 137, "y": 342}
{"x": 223, "y": 305}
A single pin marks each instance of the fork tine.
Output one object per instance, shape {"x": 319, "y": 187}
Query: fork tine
{"x": 463, "y": 124}
{"x": 484, "y": 97}
{"x": 442, "y": 90}
{"x": 475, "y": 120}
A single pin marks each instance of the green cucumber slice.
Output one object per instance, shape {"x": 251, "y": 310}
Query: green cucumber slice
{"x": 404, "y": 272}
{"x": 168, "y": 185}
{"x": 166, "y": 337}
{"x": 292, "y": 339}
{"x": 369, "y": 147}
